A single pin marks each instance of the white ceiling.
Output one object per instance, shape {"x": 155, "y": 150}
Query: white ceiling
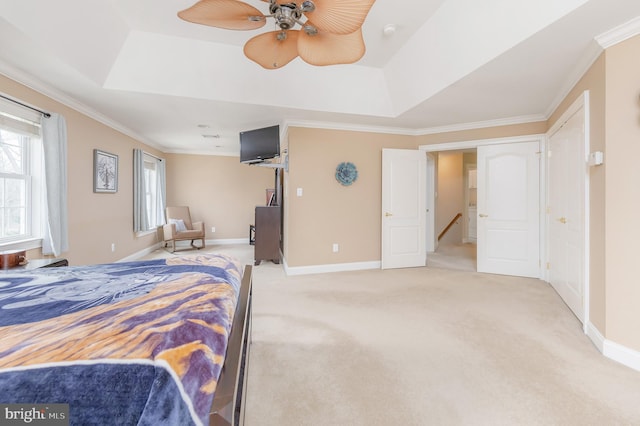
{"x": 450, "y": 64}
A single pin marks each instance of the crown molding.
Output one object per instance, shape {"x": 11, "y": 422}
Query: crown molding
{"x": 201, "y": 152}
{"x": 523, "y": 119}
{"x": 41, "y": 87}
{"x": 417, "y": 132}
{"x": 347, "y": 126}
{"x": 619, "y": 33}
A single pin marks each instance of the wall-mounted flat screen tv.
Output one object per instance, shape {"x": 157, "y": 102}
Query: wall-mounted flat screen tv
{"x": 260, "y": 144}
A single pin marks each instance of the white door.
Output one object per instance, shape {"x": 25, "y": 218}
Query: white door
{"x": 508, "y": 209}
{"x": 566, "y": 165}
{"x": 403, "y": 208}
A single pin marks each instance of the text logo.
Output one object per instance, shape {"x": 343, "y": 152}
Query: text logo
{"x": 34, "y": 414}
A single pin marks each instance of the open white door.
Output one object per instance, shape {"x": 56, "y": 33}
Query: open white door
{"x": 509, "y": 209}
{"x": 403, "y": 208}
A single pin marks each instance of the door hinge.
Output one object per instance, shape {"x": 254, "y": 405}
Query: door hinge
{"x": 548, "y": 266}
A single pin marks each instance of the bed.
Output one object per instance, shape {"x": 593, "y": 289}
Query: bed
{"x": 157, "y": 342}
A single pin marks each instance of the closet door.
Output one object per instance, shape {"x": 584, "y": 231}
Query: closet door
{"x": 566, "y": 183}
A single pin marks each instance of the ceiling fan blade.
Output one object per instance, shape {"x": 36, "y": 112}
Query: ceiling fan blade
{"x": 330, "y": 49}
{"x": 227, "y": 14}
{"x": 271, "y": 51}
{"x": 339, "y": 16}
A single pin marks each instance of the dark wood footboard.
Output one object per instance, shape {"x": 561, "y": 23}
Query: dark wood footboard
{"x": 228, "y": 405}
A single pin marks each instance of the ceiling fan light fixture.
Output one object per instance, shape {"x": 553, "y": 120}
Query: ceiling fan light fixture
{"x": 310, "y": 30}
{"x": 307, "y": 6}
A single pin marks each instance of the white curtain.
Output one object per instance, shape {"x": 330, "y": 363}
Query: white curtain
{"x": 54, "y": 141}
{"x": 140, "y": 222}
{"x": 162, "y": 189}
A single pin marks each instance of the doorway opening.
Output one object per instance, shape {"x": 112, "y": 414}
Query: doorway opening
{"x": 509, "y": 218}
{"x": 454, "y": 209}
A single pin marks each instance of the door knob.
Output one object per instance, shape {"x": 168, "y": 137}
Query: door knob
{"x": 562, "y": 219}
{"x": 387, "y": 214}
{"x": 483, "y": 215}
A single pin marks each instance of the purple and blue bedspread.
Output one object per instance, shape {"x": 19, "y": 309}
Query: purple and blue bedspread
{"x": 123, "y": 343}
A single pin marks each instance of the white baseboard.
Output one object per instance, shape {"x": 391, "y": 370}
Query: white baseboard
{"x": 151, "y": 249}
{"x": 335, "y": 267}
{"x": 227, "y": 241}
{"x": 613, "y": 350}
{"x": 596, "y": 337}
{"x": 141, "y": 253}
{"x": 622, "y": 354}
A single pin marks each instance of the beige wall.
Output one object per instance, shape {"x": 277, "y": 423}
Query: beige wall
{"x": 450, "y": 200}
{"x": 218, "y": 190}
{"x": 95, "y": 220}
{"x": 328, "y": 212}
{"x": 622, "y": 198}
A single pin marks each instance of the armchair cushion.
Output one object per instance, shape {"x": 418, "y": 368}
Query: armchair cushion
{"x": 180, "y": 226}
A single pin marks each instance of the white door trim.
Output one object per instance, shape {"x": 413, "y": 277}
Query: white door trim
{"x": 581, "y": 102}
{"x": 452, "y": 146}
{"x": 431, "y": 238}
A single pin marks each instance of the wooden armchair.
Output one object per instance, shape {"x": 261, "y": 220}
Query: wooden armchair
{"x": 179, "y": 228}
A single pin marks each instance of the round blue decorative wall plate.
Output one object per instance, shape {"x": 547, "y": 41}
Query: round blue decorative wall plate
{"x": 346, "y": 173}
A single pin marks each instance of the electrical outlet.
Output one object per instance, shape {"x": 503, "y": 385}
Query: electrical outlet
{"x": 336, "y": 248}
{"x": 213, "y": 229}
{"x": 113, "y": 247}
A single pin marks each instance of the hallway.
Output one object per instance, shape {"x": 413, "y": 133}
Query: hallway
{"x": 454, "y": 256}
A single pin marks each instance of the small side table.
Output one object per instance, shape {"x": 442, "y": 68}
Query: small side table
{"x": 41, "y": 263}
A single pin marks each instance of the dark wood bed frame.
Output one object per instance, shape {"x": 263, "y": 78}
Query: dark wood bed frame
{"x": 228, "y": 404}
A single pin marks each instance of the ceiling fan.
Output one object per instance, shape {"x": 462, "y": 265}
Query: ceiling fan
{"x": 330, "y": 30}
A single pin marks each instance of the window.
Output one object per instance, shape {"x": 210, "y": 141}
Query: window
{"x": 20, "y": 181}
{"x": 155, "y": 213}
{"x": 149, "y": 191}
{"x": 14, "y": 181}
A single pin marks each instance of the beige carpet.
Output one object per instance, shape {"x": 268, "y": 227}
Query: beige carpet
{"x": 425, "y": 346}
{"x": 459, "y": 257}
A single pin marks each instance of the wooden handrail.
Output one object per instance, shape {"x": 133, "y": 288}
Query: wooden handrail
{"x": 458, "y": 216}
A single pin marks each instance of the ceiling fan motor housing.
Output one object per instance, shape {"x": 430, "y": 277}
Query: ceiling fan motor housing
{"x": 286, "y": 15}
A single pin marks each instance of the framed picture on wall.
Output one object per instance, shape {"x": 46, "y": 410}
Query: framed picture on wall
{"x": 105, "y": 172}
